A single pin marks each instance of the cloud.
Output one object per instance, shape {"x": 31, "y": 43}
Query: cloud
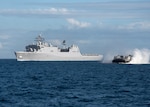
{"x": 1, "y": 46}
{"x": 136, "y": 26}
{"x": 76, "y": 23}
{"x": 116, "y": 4}
{"x": 34, "y": 11}
{"x": 4, "y": 37}
{"x": 84, "y": 41}
{"x": 140, "y": 25}
{"x": 109, "y": 10}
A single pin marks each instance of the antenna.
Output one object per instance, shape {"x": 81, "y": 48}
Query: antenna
{"x": 39, "y": 38}
{"x": 64, "y": 42}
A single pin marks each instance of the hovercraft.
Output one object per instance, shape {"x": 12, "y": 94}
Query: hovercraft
{"x": 122, "y": 59}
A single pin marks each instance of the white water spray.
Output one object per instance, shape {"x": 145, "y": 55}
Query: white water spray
{"x": 140, "y": 56}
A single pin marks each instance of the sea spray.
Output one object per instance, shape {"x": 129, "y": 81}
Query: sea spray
{"x": 108, "y": 58}
{"x": 140, "y": 56}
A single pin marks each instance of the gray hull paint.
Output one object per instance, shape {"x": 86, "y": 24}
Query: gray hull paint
{"x": 31, "y": 56}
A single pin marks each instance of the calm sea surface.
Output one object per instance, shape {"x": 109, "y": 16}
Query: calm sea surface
{"x": 73, "y": 84}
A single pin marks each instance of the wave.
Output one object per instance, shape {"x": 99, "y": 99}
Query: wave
{"x": 140, "y": 56}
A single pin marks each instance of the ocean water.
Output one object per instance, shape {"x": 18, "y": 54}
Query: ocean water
{"x": 73, "y": 84}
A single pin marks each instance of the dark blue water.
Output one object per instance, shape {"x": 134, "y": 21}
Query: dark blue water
{"x": 73, "y": 84}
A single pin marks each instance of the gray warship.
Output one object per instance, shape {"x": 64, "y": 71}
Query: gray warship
{"x": 43, "y": 51}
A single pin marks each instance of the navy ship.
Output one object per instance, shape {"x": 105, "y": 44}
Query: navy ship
{"x": 43, "y": 51}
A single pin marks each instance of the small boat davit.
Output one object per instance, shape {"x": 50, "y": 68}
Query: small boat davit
{"x": 122, "y": 59}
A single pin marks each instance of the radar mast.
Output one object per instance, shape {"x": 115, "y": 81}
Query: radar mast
{"x": 39, "y": 39}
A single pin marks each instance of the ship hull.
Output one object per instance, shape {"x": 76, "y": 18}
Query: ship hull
{"x": 39, "y": 56}
{"x": 119, "y": 61}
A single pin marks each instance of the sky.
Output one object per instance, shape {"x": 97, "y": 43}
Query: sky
{"x": 96, "y": 26}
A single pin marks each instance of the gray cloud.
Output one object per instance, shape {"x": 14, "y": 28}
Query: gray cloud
{"x": 1, "y": 46}
{"x": 78, "y": 24}
{"x": 4, "y": 37}
{"x": 35, "y": 11}
{"x": 92, "y": 10}
{"x": 123, "y": 5}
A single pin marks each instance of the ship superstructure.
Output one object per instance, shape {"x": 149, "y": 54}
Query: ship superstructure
{"x": 43, "y": 51}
